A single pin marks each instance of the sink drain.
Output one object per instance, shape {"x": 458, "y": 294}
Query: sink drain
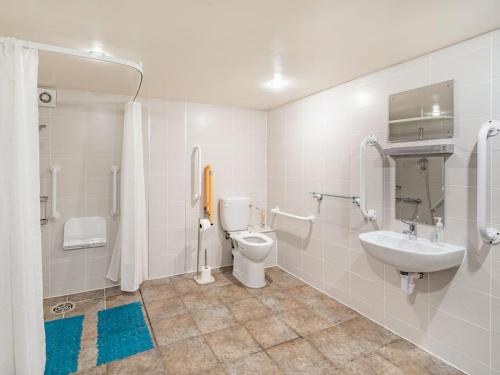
{"x": 63, "y": 307}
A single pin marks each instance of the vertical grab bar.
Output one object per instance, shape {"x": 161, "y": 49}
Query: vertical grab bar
{"x": 54, "y": 170}
{"x": 197, "y": 193}
{"x": 489, "y": 235}
{"x": 114, "y": 203}
{"x": 368, "y": 141}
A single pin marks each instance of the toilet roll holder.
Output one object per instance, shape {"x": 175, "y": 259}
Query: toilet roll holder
{"x": 203, "y": 275}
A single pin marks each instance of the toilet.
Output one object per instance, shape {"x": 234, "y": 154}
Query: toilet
{"x": 250, "y": 248}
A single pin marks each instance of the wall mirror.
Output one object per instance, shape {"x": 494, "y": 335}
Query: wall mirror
{"x": 423, "y": 113}
{"x": 420, "y": 188}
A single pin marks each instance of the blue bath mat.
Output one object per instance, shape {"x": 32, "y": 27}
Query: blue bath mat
{"x": 62, "y": 345}
{"x": 121, "y": 332}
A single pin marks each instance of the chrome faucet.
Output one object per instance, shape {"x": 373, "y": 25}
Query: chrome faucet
{"x": 412, "y": 229}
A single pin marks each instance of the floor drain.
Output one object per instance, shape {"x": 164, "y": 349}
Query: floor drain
{"x": 63, "y": 307}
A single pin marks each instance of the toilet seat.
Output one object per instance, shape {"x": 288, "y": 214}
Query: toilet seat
{"x": 252, "y": 239}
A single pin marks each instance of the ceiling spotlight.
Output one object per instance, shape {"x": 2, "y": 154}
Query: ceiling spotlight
{"x": 277, "y": 82}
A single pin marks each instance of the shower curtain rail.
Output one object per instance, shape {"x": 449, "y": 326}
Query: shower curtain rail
{"x": 91, "y": 55}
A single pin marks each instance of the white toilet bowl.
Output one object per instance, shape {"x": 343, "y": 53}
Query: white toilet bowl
{"x": 250, "y": 251}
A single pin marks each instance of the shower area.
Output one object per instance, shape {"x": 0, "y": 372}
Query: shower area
{"x": 81, "y": 136}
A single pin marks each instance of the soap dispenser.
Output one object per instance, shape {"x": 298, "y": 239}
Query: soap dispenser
{"x": 438, "y": 235}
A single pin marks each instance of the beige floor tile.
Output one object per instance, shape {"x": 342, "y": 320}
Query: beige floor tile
{"x": 87, "y": 357}
{"x": 270, "y": 331}
{"x": 271, "y": 287}
{"x": 307, "y": 294}
{"x": 112, "y": 291}
{"x": 304, "y": 321}
{"x": 51, "y": 301}
{"x": 368, "y": 331}
{"x": 223, "y": 279}
{"x": 158, "y": 292}
{"x": 147, "y": 363}
{"x": 372, "y": 364}
{"x": 186, "y": 286}
{"x": 255, "y": 364}
{"x": 300, "y": 357}
{"x": 89, "y": 329}
{"x": 190, "y": 356}
{"x": 287, "y": 281}
{"x": 200, "y": 300}
{"x": 413, "y": 360}
{"x": 333, "y": 311}
{"x": 123, "y": 298}
{"x": 229, "y": 293}
{"x": 249, "y": 308}
{"x": 93, "y": 294}
{"x": 101, "y": 370}
{"x": 219, "y": 370}
{"x": 338, "y": 346}
{"x": 275, "y": 272}
{"x": 160, "y": 281}
{"x": 165, "y": 308}
{"x": 280, "y": 301}
{"x": 177, "y": 328}
{"x": 232, "y": 343}
{"x": 213, "y": 318}
{"x": 90, "y": 306}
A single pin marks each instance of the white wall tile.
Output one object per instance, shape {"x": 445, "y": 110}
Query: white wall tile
{"x": 331, "y": 125}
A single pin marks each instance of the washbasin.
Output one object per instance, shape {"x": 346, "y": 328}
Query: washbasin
{"x": 419, "y": 255}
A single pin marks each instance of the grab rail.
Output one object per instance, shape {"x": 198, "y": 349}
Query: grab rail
{"x": 114, "y": 206}
{"x": 319, "y": 196}
{"x": 368, "y": 141}
{"x": 276, "y": 211}
{"x": 54, "y": 170}
{"x": 489, "y": 129}
{"x": 197, "y": 194}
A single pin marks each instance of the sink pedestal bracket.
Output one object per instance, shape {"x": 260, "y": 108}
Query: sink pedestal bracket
{"x": 408, "y": 281}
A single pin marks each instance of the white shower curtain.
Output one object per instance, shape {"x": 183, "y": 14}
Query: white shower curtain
{"x": 22, "y": 339}
{"x": 129, "y": 264}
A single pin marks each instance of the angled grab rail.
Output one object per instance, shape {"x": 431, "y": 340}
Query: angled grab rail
{"x": 276, "y": 211}
{"x": 368, "y": 141}
{"x": 489, "y": 129}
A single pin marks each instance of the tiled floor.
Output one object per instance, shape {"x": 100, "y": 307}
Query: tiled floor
{"x": 224, "y": 328}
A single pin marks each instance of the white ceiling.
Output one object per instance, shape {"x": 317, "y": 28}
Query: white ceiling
{"x": 223, "y": 51}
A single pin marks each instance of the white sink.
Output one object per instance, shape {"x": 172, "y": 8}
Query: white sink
{"x": 407, "y": 255}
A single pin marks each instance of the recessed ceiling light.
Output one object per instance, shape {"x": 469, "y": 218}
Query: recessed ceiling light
{"x": 277, "y": 82}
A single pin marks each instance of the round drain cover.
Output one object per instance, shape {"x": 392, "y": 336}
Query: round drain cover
{"x": 63, "y": 307}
